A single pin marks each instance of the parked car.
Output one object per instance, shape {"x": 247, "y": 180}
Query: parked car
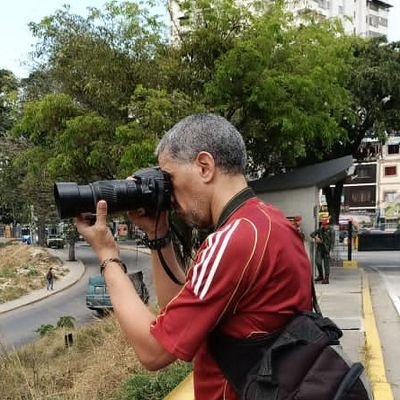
{"x": 98, "y": 298}
{"x": 55, "y": 242}
{"x": 26, "y": 236}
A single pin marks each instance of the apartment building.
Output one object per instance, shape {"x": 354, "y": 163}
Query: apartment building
{"x": 374, "y": 188}
{"x": 388, "y": 179}
{"x": 367, "y": 18}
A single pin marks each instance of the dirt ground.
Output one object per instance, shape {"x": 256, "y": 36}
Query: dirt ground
{"x": 23, "y": 268}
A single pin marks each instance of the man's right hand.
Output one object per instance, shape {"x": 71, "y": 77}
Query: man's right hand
{"x": 147, "y": 222}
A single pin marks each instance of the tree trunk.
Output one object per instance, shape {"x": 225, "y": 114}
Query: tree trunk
{"x": 71, "y": 252}
{"x": 41, "y": 233}
{"x": 333, "y": 197}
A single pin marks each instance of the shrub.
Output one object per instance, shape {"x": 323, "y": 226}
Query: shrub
{"x": 156, "y": 385}
{"x": 45, "y": 329}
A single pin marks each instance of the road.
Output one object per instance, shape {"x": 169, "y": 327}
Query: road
{"x": 383, "y": 271}
{"x": 18, "y": 327}
{"x": 387, "y": 265}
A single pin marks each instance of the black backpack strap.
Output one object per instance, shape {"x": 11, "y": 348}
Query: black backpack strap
{"x": 237, "y": 356}
{"x": 349, "y": 381}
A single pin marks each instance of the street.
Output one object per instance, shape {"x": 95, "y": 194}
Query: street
{"x": 18, "y": 327}
{"x": 383, "y": 271}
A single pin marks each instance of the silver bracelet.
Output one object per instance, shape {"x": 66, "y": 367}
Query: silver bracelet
{"x": 118, "y": 261}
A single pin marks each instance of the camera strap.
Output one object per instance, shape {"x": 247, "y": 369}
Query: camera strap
{"x": 164, "y": 264}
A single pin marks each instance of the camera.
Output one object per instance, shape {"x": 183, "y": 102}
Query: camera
{"x": 150, "y": 189}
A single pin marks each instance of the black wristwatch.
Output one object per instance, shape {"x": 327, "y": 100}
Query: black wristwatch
{"x": 159, "y": 243}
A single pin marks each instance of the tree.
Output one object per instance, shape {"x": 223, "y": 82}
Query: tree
{"x": 375, "y": 85}
{"x": 12, "y": 205}
{"x": 45, "y": 329}
{"x": 8, "y": 99}
{"x": 98, "y": 60}
{"x": 209, "y": 30}
{"x": 39, "y": 128}
{"x": 66, "y": 321}
{"x": 153, "y": 111}
{"x": 374, "y": 82}
{"x": 283, "y": 86}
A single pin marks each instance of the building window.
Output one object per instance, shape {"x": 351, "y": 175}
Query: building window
{"x": 393, "y": 149}
{"x": 364, "y": 171}
{"x": 361, "y": 196}
{"x": 389, "y": 196}
{"x": 373, "y": 20}
{"x": 383, "y": 21}
{"x": 391, "y": 171}
{"x": 373, "y": 7}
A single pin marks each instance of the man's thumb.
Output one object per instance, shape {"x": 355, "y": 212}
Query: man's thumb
{"x": 101, "y": 211}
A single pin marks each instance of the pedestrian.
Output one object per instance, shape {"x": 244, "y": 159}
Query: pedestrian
{"x": 323, "y": 239}
{"x": 251, "y": 275}
{"x": 50, "y": 279}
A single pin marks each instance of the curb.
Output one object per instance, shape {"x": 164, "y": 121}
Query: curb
{"x": 184, "y": 391}
{"x": 350, "y": 264}
{"x": 374, "y": 362}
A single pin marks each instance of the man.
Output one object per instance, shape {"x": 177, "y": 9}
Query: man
{"x": 249, "y": 277}
{"x": 324, "y": 240}
{"x": 50, "y": 279}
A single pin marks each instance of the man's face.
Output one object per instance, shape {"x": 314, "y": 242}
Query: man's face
{"x": 189, "y": 198}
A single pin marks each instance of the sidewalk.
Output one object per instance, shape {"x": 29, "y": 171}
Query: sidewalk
{"x": 76, "y": 270}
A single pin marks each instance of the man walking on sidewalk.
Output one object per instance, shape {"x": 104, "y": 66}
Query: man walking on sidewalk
{"x": 50, "y": 278}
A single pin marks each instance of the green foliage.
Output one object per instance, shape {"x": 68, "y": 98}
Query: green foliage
{"x": 66, "y": 321}
{"x": 283, "y": 85}
{"x": 375, "y": 85}
{"x": 209, "y": 31}
{"x": 153, "y": 111}
{"x": 42, "y": 120}
{"x": 7, "y": 272}
{"x": 84, "y": 149}
{"x": 154, "y": 386}
{"x": 45, "y": 329}
{"x": 99, "y": 59}
{"x": 8, "y": 99}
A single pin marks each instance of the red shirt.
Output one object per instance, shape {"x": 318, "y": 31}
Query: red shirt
{"x": 251, "y": 276}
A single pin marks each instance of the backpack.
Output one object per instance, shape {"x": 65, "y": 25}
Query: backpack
{"x": 302, "y": 361}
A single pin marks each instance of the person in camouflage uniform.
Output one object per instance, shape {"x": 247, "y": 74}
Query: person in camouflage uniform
{"x": 324, "y": 241}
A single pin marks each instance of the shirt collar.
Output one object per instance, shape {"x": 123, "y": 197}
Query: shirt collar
{"x": 233, "y": 204}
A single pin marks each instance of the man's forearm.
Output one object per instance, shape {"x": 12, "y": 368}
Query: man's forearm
{"x": 135, "y": 319}
{"x": 166, "y": 289}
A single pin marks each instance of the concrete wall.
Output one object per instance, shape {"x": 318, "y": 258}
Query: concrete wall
{"x": 304, "y": 202}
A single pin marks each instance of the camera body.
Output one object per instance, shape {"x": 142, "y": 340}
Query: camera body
{"x": 150, "y": 188}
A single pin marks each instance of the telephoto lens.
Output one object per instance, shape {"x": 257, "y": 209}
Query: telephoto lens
{"x": 150, "y": 189}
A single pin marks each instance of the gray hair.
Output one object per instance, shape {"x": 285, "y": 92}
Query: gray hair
{"x": 206, "y": 132}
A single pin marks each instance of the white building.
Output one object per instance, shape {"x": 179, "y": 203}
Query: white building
{"x": 367, "y": 18}
{"x": 388, "y": 200}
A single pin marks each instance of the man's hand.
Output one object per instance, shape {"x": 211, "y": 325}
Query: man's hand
{"x": 99, "y": 235}
{"x": 147, "y": 222}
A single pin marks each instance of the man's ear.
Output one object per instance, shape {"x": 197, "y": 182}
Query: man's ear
{"x": 206, "y": 164}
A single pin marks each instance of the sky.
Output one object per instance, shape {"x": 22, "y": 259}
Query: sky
{"x": 16, "y": 40}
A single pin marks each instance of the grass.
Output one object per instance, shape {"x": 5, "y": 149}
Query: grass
{"x": 99, "y": 365}
{"x": 23, "y": 268}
